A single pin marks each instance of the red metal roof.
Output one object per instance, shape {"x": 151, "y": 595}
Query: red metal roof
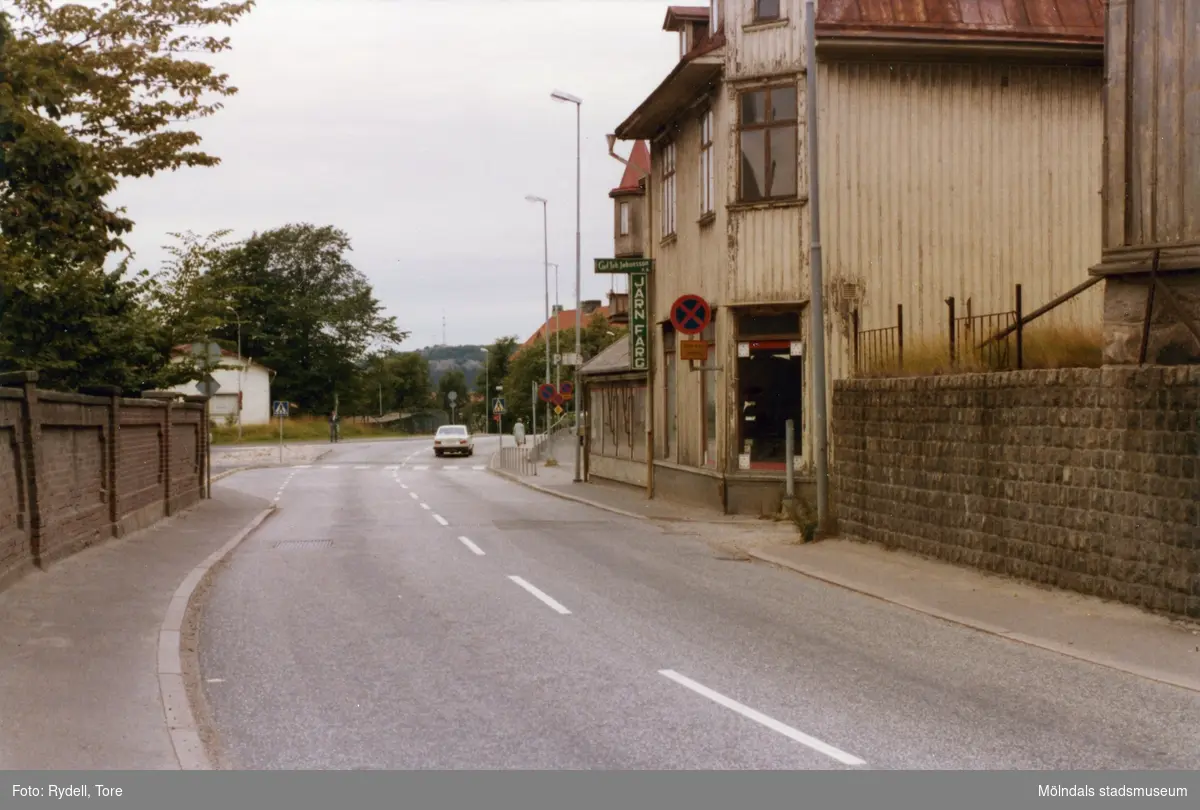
{"x": 562, "y": 322}
{"x": 639, "y": 158}
{"x": 1070, "y": 21}
{"x": 680, "y": 14}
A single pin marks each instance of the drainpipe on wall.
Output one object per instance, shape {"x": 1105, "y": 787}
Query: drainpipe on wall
{"x": 649, "y": 231}
{"x": 817, "y": 304}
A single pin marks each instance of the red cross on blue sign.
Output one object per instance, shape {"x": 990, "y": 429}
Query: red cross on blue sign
{"x": 690, "y": 314}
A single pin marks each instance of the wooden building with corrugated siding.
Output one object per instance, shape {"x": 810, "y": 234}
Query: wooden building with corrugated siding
{"x": 960, "y": 156}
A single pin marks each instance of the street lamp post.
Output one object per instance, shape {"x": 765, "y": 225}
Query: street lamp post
{"x": 239, "y": 370}
{"x": 559, "y": 95}
{"x": 546, "y": 284}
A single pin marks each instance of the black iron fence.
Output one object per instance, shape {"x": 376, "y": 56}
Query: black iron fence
{"x": 975, "y": 339}
{"x": 994, "y": 341}
{"x": 877, "y": 350}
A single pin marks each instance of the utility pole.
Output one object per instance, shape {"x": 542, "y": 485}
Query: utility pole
{"x": 816, "y": 326}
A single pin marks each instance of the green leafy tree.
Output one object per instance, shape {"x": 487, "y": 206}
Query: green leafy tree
{"x": 409, "y": 373}
{"x": 306, "y": 311}
{"x": 453, "y": 380}
{"x": 395, "y": 381}
{"x": 118, "y": 71}
{"x": 111, "y": 338}
{"x": 529, "y": 367}
{"x": 90, "y": 94}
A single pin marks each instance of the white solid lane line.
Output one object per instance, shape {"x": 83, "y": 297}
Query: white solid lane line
{"x": 540, "y": 595}
{"x": 479, "y": 467}
{"x": 762, "y": 719}
{"x": 471, "y": 546}
{"x": 425, "y": 506}
{"x": 441, "y": 519}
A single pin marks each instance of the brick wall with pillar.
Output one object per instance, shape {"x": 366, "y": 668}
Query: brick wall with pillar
{"x": 76, "y": 469}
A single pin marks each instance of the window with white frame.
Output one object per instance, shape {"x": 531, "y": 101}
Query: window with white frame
{"x": 624, "y": 219}
{"x": 708, "y": 183}
{"x": 668, "y": 190}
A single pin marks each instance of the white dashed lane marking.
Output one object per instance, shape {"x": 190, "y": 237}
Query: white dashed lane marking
{"x": 441, "y": 519}
{"x": 762, "y": 719}
{"x": 554, "y": 605}
{"x": 466, "y": 542}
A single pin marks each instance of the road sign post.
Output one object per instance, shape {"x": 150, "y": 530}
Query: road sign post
{"x": 280, "y": 409}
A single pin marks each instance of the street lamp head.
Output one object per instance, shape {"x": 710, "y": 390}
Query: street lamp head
{"x": 559, "y": 95}
{"x": 534, "y": 198}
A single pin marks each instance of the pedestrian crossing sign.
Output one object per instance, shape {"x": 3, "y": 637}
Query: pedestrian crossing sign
{"x": 281, "y": 408}
{"x": 498, "y": 405}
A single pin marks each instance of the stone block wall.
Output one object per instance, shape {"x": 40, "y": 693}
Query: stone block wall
{"x": 76, "y": 469}
{"x": 1083, "y": 479}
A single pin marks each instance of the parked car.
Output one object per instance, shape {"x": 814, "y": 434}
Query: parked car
{"x": 453, "y": 439}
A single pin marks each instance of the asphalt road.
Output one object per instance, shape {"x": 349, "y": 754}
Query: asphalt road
{"x": 436, "y": 616}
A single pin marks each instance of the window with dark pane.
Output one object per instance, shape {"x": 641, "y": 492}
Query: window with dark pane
{"x": 767, "y": 140}
{"x": 766, "y": 9}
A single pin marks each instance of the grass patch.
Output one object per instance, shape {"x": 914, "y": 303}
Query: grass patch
{"x": 302, "y": 429}
{"x": 1045, "y": 347}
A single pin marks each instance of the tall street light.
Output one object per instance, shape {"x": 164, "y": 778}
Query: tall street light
{"x": 546, "y": 282}
{"x": 559, "y": 95}
{"x": 241, "y": 362}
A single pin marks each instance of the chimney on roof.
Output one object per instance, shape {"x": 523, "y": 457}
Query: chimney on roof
{"x": 590, "y": 306}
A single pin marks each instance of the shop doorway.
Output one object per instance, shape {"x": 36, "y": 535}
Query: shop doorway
{"x": 771, "y": 391}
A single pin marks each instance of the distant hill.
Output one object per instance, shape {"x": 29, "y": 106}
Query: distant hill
{"x": 444, "y": 358}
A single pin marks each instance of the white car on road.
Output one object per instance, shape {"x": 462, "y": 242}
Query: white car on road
{"x": 453, "y": 439}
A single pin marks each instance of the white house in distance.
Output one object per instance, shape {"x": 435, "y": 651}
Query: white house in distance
{"x": 253, "y": 381}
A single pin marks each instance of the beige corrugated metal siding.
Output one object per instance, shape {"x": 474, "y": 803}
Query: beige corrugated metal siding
{"x": 696, "y": 262}
{"x": 957, "y": 180}
{"x": 762, "y": 48}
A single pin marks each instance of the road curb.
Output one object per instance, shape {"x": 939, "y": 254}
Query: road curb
{"x": 177, "y": 708}
{"x": 598, "y": 505}
{"x": 1190, "y": 684}
{"x": 566, "y": 497}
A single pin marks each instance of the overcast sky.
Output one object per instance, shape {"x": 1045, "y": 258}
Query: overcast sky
{"x": 418, "y": 127}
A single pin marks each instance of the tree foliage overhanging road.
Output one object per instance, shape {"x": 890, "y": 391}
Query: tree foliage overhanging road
{"x": 93, "y": 94}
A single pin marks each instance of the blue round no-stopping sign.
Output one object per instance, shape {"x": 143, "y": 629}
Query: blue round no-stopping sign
{"x": 690, "y": 314}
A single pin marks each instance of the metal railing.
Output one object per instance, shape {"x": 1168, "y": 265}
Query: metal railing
{"x": 878, "y": 350}
{"x": 515, "y": 460}
{"x": 973, "y": 341}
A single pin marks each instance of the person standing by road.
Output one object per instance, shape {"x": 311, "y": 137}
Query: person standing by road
{"x": 334, "y": 427}
{"x": 519, "y": 433}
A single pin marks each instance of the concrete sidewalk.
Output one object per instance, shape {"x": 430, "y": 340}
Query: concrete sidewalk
{"x": 1087, "y": 628}
{"x": 79, "y": 686}
{"x": 1083, "y": 627}
{"x": 622, "y": 499}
